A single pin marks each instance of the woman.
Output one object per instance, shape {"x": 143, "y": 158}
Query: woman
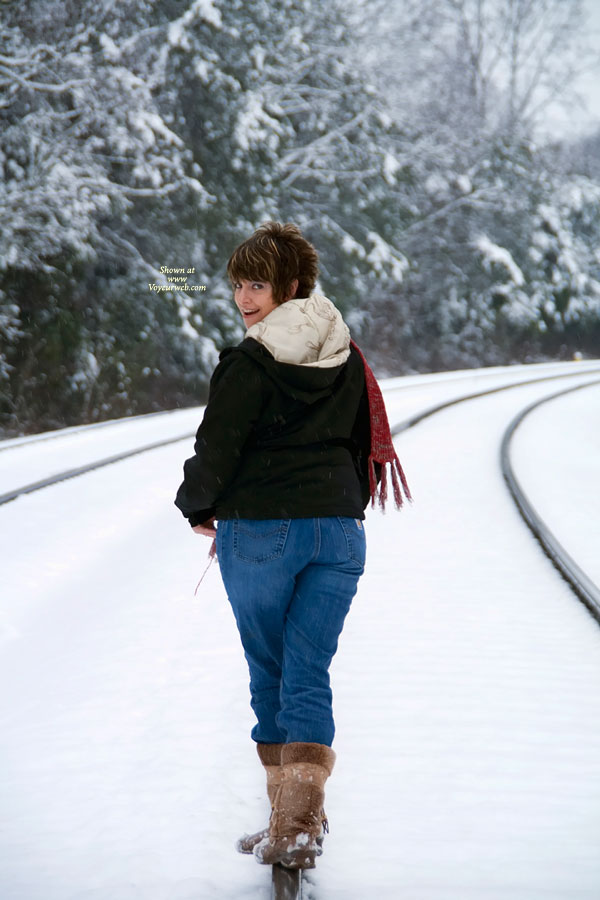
{"x": 286, "y": 459}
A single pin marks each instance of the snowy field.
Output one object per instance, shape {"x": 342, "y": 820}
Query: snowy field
{"x": 466, "y": 686}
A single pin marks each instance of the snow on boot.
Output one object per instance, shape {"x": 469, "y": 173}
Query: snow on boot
{"x": 270, "y": 757}
{"x": 297, "y": 821}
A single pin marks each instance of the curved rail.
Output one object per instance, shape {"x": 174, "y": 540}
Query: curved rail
{"x": 28, "y": 440}
{"x": 428, "y": 378}
{"x": 582, "y": 586}
{"x": 397, "y": 429}
{"x": 88, "y": 467}
{"x": 578, "y": 581}
{"x": 438, "y": 407}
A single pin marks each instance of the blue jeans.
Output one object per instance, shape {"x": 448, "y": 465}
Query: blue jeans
{"x": 290, "y": 583}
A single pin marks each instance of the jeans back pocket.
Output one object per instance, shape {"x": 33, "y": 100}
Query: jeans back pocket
{"x": 259, "y": 540}
{"x": 354, "y": 533}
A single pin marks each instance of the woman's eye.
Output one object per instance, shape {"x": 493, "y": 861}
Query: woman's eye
{"x": 258, "y": 284}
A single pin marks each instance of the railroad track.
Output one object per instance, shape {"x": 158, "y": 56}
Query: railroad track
{"x": 75, "y": 472}
{"x": 88, "y": 467}
{"x": 28, "y": 440}
{"x": 582, "y": 586}
{"x": 576, "y": 578}
{"x": 286, "y": 883}
{"x": 408, "y": 383}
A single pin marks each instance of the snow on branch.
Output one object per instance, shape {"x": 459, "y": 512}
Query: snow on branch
{"x": 40, "y": 85}
{"x": 493, "y": 254}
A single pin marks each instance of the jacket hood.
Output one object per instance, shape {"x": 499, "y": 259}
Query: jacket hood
{"x": 303, "y": 347}
{"x": 305, "y": 331}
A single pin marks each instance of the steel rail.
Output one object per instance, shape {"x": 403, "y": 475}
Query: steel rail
{"x": 286, "y": 884}
{"x": 27, "y": 440}
{"x": 413, "y": 420}
{"x": 397, "y": 429}
{"x": 14, "y": 443}
{"x": 583, "y": 587}
{"x": 88, "y": 467}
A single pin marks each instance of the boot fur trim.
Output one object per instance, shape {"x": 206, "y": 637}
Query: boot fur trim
{"x": 315, "y": 754}
{"x": 269, "y": 754}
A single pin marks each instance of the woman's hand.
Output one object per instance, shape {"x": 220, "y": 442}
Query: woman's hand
{"x": 206, "y": 528}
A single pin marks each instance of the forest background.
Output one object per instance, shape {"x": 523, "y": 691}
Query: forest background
{"x": 407, "y": 139}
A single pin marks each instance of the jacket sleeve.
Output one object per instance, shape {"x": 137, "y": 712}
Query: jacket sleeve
{"x": 235, "y": 400}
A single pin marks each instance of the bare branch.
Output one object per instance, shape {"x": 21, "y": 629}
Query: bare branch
{"x": 13, "y": 61}
{"x": 316, "y": 146}
{"x": 40, "y": 85}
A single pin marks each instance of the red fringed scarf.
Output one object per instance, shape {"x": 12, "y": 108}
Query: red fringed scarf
{"x": 382, "y": 448}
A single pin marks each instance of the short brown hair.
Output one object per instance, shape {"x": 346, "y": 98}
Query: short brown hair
{"x": 278, "y": 254}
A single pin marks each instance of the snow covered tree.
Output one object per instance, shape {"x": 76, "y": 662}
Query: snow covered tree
{"x": 89, "y": 171}
{"x": 282, "y": 127}
{"x": 158, "y": 133}
{"x": 565, "y": 264}
{"x": 481, "y": 73}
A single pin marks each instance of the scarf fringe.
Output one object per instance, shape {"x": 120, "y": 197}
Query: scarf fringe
{"x": 372, "y": 480}
{"x": 382, "y": 447}
{"x": 399, "y": 483}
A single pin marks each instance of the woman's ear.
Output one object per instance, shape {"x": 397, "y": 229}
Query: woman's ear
{"x": 293, "y": 289}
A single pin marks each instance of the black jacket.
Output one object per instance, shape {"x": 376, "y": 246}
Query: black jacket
{"x": 279, "y": 441}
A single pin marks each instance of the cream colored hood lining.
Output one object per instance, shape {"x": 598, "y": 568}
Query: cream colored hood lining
{"x": 305, "y": 331}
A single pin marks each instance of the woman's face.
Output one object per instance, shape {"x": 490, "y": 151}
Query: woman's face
{"x": 254, "y": 299}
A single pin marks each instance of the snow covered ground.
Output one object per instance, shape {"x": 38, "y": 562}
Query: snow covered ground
{"x": 29, "y": 459}
{"x": 466, "y": 687}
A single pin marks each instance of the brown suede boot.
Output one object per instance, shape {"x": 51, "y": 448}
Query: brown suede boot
{"x": 296, "y": 826}
{"x": 270, "y": 757}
